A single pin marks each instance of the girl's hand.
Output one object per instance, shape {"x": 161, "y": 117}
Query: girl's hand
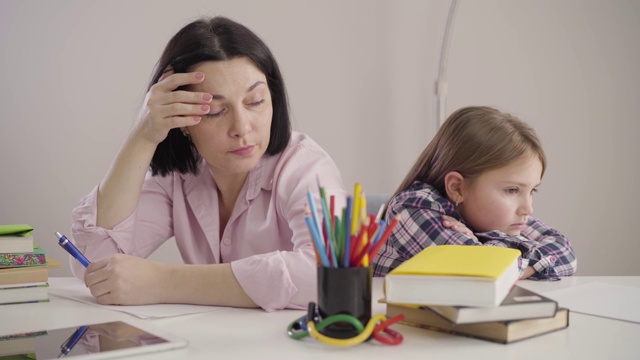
{"x": 456, "y": 225}
{"x": 166, "y": 108}
{"x": 126, "y": 280}
{"x": 527, "y": 272}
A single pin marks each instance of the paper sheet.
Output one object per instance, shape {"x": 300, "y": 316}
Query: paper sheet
{"x": 601, "y": 299}
{"x": 74, "y": 289}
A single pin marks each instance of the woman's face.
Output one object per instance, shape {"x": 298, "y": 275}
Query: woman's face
{"x": 502, "y": 199}
{"x": 235, "y": 133}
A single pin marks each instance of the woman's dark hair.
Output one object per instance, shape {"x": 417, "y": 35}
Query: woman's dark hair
{"x": 217, "y": 39}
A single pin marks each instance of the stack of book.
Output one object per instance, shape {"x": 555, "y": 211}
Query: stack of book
{"x": 19, "y": 347}
{"x": 24, "y": 268}
{"x": 470, "y": 291}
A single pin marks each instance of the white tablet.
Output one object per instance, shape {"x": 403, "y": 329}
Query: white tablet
{"x": 91, "y": 342}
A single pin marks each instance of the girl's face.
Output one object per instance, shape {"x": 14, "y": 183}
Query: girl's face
{"x": 502, "y": 199}
{"x": 236, "y": 132}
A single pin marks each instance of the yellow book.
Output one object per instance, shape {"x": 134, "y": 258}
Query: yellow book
{"x": 461, "y": 275}
{"x": 28, "y": 274}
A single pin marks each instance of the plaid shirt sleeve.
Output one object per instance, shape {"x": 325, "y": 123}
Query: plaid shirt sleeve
{"x": 545, "y": 249}
{"x": 419, "y": 226}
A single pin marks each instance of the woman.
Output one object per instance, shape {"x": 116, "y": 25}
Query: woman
{"x": 228, "y": 179}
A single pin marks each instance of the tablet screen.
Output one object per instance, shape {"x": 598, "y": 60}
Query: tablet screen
{"x": 95, "y": 341}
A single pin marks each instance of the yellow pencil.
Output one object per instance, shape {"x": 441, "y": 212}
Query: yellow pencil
{"x": 356, "y": 208}
{"x": 365, "y": 240}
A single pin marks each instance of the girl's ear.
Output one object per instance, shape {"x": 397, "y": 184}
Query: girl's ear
{"x": 453, "y": 185}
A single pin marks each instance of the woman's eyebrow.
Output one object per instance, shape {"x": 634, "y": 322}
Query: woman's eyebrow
{"x": 255, "y": 85}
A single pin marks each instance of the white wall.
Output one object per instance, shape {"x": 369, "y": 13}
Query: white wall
{"x": 360, "y": 76}
{"x": 570, "y": 68}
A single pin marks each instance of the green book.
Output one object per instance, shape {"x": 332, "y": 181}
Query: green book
{"x": 16, "y": 238}
{"x": 29, "y": 356}
{"x": 16, "y": 229}
{"x": 35, "y": 258}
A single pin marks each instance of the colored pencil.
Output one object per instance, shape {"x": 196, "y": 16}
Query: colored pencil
{"x": 315, "y": 236}
{"x": 327, "y": 226}
{"x": 347, "y": 238}
{"x": 384, "y": 237}
{"x": 346, "y": 257}
{"x": 355, "y": 215}
{"x": 313, "y": 210}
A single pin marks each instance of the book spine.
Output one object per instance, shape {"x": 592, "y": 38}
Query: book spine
{"x": 23, "y": 335}
{"x": 26, "y": 302}
{"x": 39, "y": 274}
{"x": 21, "y": 259}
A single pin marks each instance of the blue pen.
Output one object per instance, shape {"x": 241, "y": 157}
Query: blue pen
{"x": 66, "y": 346}
{"x": 71, "y": 249}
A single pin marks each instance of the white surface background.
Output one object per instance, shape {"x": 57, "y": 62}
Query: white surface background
{"x": 237, "y": 333}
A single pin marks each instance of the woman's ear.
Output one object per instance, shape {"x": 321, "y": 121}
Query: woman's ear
{"x": 453, "y": 182}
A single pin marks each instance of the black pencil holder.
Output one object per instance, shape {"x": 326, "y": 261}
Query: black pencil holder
{"x": 344, "y": 291}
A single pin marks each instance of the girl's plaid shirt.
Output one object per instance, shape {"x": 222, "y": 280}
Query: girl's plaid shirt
{"x": 421, "y": 208}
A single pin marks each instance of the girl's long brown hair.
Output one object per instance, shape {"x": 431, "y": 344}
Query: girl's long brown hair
{"x": 471, "y": 141}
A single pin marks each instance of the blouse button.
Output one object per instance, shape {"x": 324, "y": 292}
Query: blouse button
{"x": 226, "y": 241}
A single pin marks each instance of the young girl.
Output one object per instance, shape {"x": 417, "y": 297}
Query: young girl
{"x": 211, "y": 161}
{"x": 474, "y": 185}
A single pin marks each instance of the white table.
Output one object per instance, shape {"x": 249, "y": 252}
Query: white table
{"x": 253, "y": 333}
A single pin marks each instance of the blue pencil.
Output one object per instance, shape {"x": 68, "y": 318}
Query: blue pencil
{"x": 347, "y": 233}
{"x": 382, "y": 226}
{"x": 316, "y": 239}
{"x": 314, "y": 214}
